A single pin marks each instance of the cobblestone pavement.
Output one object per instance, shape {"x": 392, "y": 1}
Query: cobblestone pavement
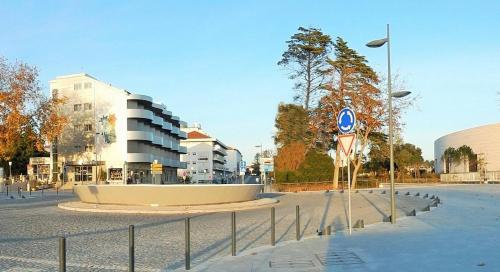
{"x": 29, "y": 229}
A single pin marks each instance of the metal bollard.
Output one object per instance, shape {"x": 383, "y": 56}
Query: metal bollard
{"x": 233, "y": 234}
{"x": 273, "y": 226}
{"x": 62, "y": 254}
{"x": 7, "y": 190}
{"x": 297, "y": 222}
{"x": 328, "y": 230}
{"x": 131, "y": 249}
{"x": 187, "y": 243}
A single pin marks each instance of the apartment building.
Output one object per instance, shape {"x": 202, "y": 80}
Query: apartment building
{"x": 205, "y": 158}
{"x": 113, "y": 135}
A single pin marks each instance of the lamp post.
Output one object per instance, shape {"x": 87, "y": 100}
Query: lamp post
{"x": 375, "y": 44}
{"x": 10, "y": 171}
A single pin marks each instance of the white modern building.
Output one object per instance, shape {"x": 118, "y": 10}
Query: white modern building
{"x": 483, "y": 140}
{"x": 205, "y": 158}
{"x": 233, "y": 163}
{"x": 113, "y": 135}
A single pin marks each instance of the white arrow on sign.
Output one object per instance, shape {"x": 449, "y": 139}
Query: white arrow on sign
{"x": 346, "y": 142}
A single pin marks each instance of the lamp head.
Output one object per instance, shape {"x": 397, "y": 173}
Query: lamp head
{"x": 400, "y": 94}
{"x": 377, "y": 43}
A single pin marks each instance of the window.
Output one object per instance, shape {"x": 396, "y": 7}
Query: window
{"x": 193, "y": 172}
{"x": 194, "y": 162}
{"x": 87, "y": 85}
{"x": 87, "y": 106}
{"x": 89, "y": 148}
{"x": 194, "y": 153}
{"x": 83, "y": 173}
{"x": 87, "y": 127}
{"x": 78, "y": 148}
{"x": 77, "y": 107}
{"x": 77, "y": 127}
{"x": 203, "y": 159}
{"x": 77, "y": 86}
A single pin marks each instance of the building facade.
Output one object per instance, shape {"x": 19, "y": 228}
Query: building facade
{"x": 233, "y": 164}
{"x": 113, "y": 135}
{"x": 484, "y": 142}
{"x": 205, "y": 158}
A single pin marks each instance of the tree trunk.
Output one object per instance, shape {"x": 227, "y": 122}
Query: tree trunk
{"x": 337, "y": 166}
{"x": 357, "y": 166}
{"x": 308, "y": 79}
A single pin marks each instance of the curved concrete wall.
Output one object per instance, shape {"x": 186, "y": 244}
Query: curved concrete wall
{"x": 167, "y": 195}
{"x": 483, "y": 139}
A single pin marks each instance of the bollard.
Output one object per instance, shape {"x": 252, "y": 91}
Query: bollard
{"x": 417, "y": 194}
{"x": 131, "y": 249}
{"x": 233, "y": 234}
{"x": 438, "y": 201}
{"x": 297, "y": 222}
{"x": 7, "y": 190}
{"x": 328, "y": 230}
{"x": 359, "y": 224}
{"x": 273, "y": 226}
{"x": 426, "y": 195}
{"x": 62, "y": 254}
{"x": 187, "y": 243}
{"x": 434, "y": 204}
{"x": 412, "y": 213}
{"x": 396, "y": 193}
{"x": 383, "y": 192}
{"x": 426, "y": 209}
{"x": 407, "y": 193}
{"x": 432, "y": 197}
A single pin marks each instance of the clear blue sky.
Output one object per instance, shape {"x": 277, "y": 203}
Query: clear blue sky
{"x": 214, "y": 62}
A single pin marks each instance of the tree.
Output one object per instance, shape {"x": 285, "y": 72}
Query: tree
{"x": 27, "y": 116}
{"x": 290, "y": 156}
{"x": 408, "y": 155}
{"x": 450, "y": 156}
{"x": 467, "y": 156}
{"x": 305, "y": 59}
{"x": 291, "y": 125}
{"x": 353, "y": 84}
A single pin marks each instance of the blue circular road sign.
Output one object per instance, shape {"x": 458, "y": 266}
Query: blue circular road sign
{"x": 346, "y": 120}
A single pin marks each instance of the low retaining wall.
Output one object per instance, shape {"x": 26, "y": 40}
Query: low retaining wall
{"x": 167, "y": 195}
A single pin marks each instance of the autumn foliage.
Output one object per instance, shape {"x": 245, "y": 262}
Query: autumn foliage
{"x": 25, "y": 112}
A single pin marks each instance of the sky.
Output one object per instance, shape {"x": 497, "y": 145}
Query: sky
{"x": 214, "y": 62}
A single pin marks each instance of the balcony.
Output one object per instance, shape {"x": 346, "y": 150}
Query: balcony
{"x": 158, "y": 121}
{"x": 183, "y": 135}
{"x": 140, "y": 136}
{"x": 158, "y": 141}
{"x": 183, "y": 165}
{"x": 182, "y": 149}
{"x": 166, "y": 126}
{"x": 175, "y": 146}
{"x": 219, "y": 158}
{"x": 139, "y": 157}
{"x": 140, "y": 97}
{"x": 167, "y": 144}
{"x": 140, "y": 113}
{"x": 220, "y": 150}
{"x": 175, "y": 130}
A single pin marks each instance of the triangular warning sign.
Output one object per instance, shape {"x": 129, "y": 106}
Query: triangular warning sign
{"x": 346, "y": 142}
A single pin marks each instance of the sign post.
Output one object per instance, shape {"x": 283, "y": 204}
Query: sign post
{"x": 346, "y": 121}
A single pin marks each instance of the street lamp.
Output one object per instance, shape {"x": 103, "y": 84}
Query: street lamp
{"x": 375, "y": 44}
{"x": 10, "y": 171}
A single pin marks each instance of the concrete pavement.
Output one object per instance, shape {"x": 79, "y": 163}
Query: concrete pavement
{"x": 460, "y": 235}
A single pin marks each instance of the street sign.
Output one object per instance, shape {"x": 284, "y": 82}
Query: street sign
{"x": 346, "y": 120}
{"x": 156, "y": 168}
{"x": 243, "y": 166}
{"x": 346, "y": 142}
